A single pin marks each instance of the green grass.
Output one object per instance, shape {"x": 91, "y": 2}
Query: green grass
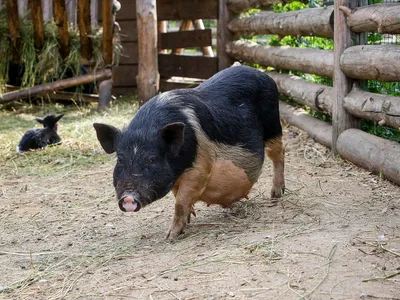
{"x": 79, "y": 143}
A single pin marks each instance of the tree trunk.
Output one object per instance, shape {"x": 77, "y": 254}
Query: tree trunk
{"x": 38, "y": 26}
{"x": 372, "y": 62}
{"x": 207, "y": 51}
{"x": 53, "y": 86}
{"x": 379, "y": 108}
{"x": 148, "y": 79}
{"x": 373, "y": 153}
{"x": 237, "y": 6}
{"x": 314, "y": 95}
{"x": 306, "y": 22}
{"x": 316, "y": 129}
{"x": 381, "y": 18}
{"x": 61, "y": 20}
{"x": 85, "y": 30}
{"x": 305, "y": 60}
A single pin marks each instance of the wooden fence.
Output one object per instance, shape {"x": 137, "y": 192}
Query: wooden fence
{"x": 348, "y": 64}
{"x": 80, "y": 15}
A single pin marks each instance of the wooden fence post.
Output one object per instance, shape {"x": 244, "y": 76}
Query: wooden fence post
{"x": 148, "y": 79}
{"x": 13, "y": 24}
{"x": 224, "y": 36}
{"x": 61, "y": 20}
{"x": 38, "y": 25}
{"x": 341, "y": 120}
{"x": 85, "y": 29}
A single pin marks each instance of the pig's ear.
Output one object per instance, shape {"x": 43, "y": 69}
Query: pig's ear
{"x": 107, "y": 136}
{"x": 58, "y": 118}
{"x": 173, "y": 135}
{"x": 40, "y": 120}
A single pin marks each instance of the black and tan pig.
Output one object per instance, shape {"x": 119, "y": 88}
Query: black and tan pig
{"x": 205, "y": 144}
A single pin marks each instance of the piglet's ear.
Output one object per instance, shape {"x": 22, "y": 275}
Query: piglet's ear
{"x": 107, "y": 136}
{"x": 173, "y": 135}
{"x": 58, "y": 118}
{"x": 40, "y": 120}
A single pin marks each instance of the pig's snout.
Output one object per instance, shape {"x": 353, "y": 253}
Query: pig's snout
{"x": 129, "y": 203}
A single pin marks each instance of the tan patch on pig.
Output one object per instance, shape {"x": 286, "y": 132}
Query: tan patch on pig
{"x": 276, "y": 152}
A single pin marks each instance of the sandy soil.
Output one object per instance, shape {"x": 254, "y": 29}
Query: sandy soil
{"x": 334, "y": 235}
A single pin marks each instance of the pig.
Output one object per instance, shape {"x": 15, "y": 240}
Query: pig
{"x": 205, "y": 144}
{"x": 41, "y": 137}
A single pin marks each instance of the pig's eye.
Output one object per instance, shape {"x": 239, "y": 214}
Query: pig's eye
{"x": 152, "y": 160}
{"x": 120, "y": 161}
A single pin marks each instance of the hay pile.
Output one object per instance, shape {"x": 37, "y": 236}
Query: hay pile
{"x": 46, "y": 65}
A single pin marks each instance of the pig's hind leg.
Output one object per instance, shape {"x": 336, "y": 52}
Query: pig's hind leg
{"x": 276, "y": 152}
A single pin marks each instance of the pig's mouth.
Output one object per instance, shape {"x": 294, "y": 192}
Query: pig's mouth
{"x": 129, "y": 203}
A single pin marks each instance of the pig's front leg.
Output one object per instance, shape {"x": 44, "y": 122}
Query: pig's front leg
{"x": 187, "y": 191}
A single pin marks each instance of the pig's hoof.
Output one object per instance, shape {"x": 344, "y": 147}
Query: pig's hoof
{"x": 173, "y": 233}
{"x": 277, "y": 191}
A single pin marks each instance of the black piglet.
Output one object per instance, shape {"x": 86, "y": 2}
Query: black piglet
{"x": 41, "y": 137}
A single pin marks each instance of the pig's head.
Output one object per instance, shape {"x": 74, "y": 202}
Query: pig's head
{"x": 144, "y": 171}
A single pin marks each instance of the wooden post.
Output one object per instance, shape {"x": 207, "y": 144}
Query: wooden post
{"x": 107, "y": 32}
{"x": 61, "y": 20}
{"x": 207, "y": 51}
{"x": 341, "y": 120}
{"x": 148, "y": 78}
{"x": 85, "y": 30}
{"x": 38, "y": 26}
{"x": 13, "y": 25}
{"x": 224, "y": 36}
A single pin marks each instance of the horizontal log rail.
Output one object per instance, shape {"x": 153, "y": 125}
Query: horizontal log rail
{"x": 314, "y": 61}
{"x": 372, "y": 62}
{"x": 54, "y": 86}
{"x": 370, "y": 152}
{"x": 318, "y": 130}
{"x": 306, "y": 22}
{"x": 315, "y": 95}
{"x": 381, "y": 18}
{"x": 383, "y": 109}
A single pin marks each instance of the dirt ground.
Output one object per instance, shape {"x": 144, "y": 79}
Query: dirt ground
{"x": 334, "y": 235}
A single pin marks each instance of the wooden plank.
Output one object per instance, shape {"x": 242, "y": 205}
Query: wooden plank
{"x": 187, "y": 10}
{"x": 107, "y": 31}
{"x": 13, "y": 22}
{"x": 61, "y": 20}
{"x": 128, "y": 31}
{"x": 187, "y": 66}
{"x": 129, "y": 54}
{"x": 185, "y": 25}
{"x": 38, "y": 25}
{"x": 341, "y": 119}
{"x": 207, "y": 50}
{"x": 224, "y": 36}
{"x": 148, "y": 77}
{"x": 85, "y": 30}
{"x": 162, "y": 28}
{"x": 185, "y": 39}
{"x": 125, "y": 75}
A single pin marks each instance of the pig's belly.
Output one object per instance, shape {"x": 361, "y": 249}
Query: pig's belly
{"x": 227, "y": 184}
